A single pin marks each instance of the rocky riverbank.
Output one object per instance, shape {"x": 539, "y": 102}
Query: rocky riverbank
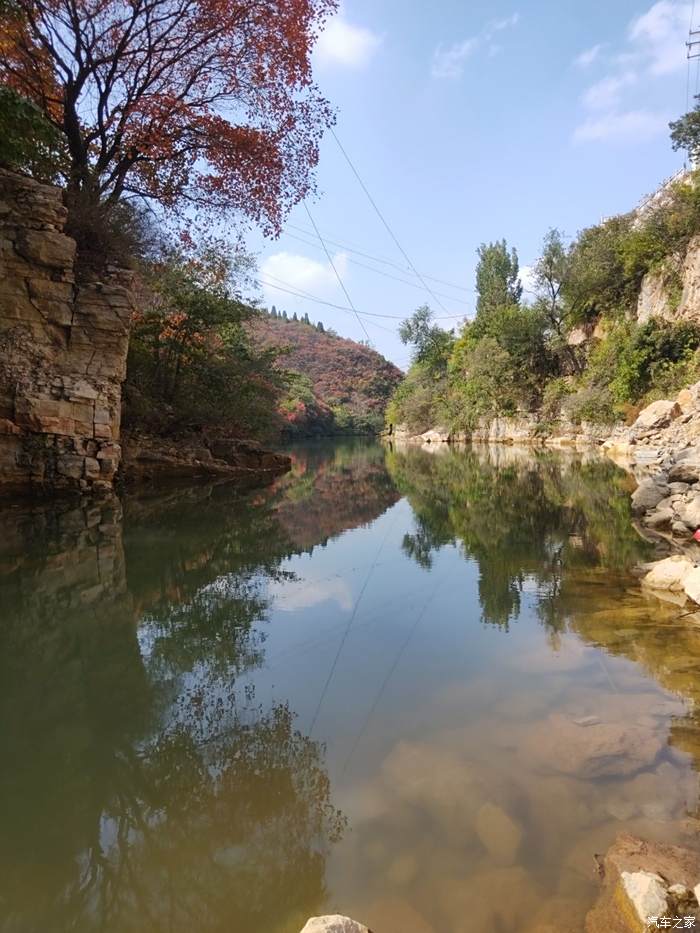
{"x": 148, "y": 458}
{"x": 661, "y": 451}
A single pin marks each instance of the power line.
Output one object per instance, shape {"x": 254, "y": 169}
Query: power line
{"x": 384, "y": 221}
{"x": 387, "y": 275}
{"x": 386, "y": 262}
{"x": 330, "y": 304}
{"x": 300, "y": 293}
{"x": 337, "y": 274}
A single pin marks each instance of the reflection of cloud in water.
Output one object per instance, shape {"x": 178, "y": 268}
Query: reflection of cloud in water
{"x": 290, "y": 597}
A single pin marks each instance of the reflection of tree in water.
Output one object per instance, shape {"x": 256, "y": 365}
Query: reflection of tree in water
{"x": 140, "y": 790}
{"x": 531, "y": 519}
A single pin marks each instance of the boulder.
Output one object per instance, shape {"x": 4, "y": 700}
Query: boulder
{"x": 647, "y": 496}
{"x": 668, "y": 574}
{"x": 598, "y": 750}
{"x": 691, "y": 584}
{"x": 657, "y": 415}
{"x": 685, "y": 471}
{"x": 646, "y": 893}
{"x": 660, "y": 517}
{"x": 689, "y": 513}
{"x": 642, "y": 880}
{"x": 333, "y": 923}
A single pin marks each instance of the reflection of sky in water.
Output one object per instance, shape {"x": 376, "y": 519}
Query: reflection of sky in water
{"x": 427, "y": 713}
{"x": 492, "y": 698}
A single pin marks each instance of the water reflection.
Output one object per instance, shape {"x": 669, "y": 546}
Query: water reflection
{"x": 155, "y": 775}
{"x": 522, "y": 514}
{"x": 141, "y": 789}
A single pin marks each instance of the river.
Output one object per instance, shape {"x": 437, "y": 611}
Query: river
{"x": 421, "y": 689}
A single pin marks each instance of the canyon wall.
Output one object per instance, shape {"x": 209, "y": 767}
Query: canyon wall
{"x": 63, "y": 348}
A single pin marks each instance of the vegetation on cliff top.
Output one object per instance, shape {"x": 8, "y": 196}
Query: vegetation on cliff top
{"x": 571, "y": 348}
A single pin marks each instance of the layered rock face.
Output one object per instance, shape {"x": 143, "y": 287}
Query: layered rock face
{"x": 655, "y": 301}
{"x": 524, "y": 428}
{"x": 63, "y": 350}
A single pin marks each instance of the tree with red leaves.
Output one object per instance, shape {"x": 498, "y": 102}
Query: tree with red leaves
{"x": 196, "y": 104}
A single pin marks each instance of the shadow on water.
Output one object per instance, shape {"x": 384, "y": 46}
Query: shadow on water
{"x": 140, "y": 789}
{"x": 145, "y": 785}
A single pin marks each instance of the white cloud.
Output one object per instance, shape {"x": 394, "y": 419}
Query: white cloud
{"x": 631, "y": 126}
{"x": 660, "y": 34}
{"x": 449, "y": 62}
{"x": 606, "y": 93}
{"x": 299, "y": 272}
{"x": 291, "y": 597}
{"x": 654, "y": 47}
{"x": 527, "y": 280}
{"x": 586, "y": 58}
{"x": 344, "y": 45}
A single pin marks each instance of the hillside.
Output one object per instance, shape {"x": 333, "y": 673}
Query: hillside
{"x": 341, "y": 387}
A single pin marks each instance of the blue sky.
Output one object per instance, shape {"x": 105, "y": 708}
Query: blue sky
{"x": 470, "y": 122}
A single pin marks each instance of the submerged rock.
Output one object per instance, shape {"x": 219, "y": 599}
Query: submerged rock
{"x": 605, "y": 749}
{"x": 500, "y": 835}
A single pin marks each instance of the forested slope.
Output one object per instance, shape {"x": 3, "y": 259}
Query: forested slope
{"x": 339, "y": 386}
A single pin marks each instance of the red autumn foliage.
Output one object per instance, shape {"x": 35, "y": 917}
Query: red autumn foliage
{"x": 202, "y": 102}
{"x": 344, "y": 374}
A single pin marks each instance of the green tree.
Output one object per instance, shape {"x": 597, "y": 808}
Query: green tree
{"x": 555, "y": 299}
{"x": 685, "y": 132}
{"x": 431, "y": 344}
{"x": 497, "y": 278}
{"x": 28, "y": 142}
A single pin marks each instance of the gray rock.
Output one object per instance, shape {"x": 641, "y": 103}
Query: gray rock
{"x": 678, "y": 488}
{"x": 685, "y": 471}
{"x": 689, "y": 514}
{"x": 657, "y": 415}
{"x": 647, "y": 496}
{"x": 659, "y": 517}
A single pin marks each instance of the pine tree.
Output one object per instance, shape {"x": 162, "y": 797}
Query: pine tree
{"x": 294, "y": 317}
{"x": 320, "y": 328}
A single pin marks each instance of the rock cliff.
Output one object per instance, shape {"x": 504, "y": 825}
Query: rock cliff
{"x": 660, "y": 298}
{"x": 63, "y": 348}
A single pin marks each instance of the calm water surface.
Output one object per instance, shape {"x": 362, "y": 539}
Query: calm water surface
{"x": 420, "y": 689}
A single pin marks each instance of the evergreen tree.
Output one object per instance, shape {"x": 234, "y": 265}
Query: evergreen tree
{"x": 320, "y": 328}
{"x": 284, "y": 316}
{"x": 294, "y": 317}
{"x": 497, "y": 281}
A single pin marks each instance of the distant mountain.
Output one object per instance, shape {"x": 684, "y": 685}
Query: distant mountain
{"x": 341, "y": 387}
